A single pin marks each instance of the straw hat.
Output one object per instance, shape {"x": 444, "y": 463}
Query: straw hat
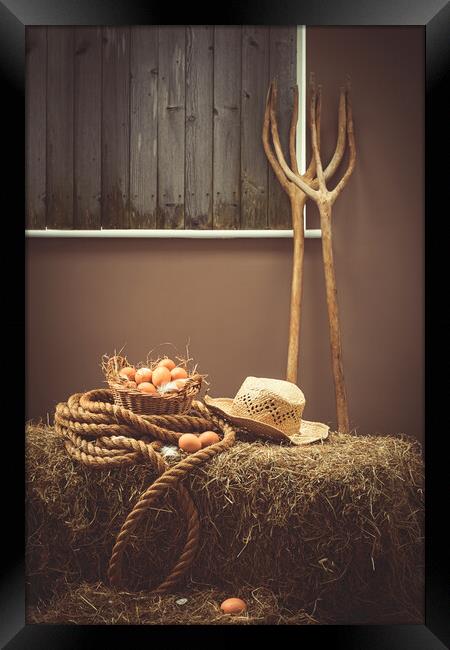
{"x": 270, "y": 408}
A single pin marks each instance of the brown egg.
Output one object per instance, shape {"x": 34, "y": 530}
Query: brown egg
{"x": 178, "y": 373}
{"x": 146, "y": 387}
{"x": 127, "y": 373}
{"x": 160, "y": 376}
{"x": 167, "y": 363}
{"x": 143, "y": 374}
{"x": 189, "y": 442}
{"x": 208, "y": 438}
{"x": 233, "y": 606}
{"x": 131, "y": 384}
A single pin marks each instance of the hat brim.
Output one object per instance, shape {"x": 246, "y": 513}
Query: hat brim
{"x": 309, "y": 431}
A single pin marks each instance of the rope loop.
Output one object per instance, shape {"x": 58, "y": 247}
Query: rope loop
{"x": 100, "y": 434}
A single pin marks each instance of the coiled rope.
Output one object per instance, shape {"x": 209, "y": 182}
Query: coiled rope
{"x": 101, "y": 434}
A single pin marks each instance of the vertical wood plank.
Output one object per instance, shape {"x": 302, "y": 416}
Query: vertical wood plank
{"x": 115, "y": 127}
{"x": 254, "y": 169}
{"x": 283, "y": 44}
{"x": 199, "y": 142}
{"x": 87, "y": 129}
{"x": 103, "y": 131}
{"x": 227, "y": 127}
{"x": 171, "y": 127}
{"x": 60, "y": 127}
{"x": 36, "y": 125}
{"x": 143, "y": 126}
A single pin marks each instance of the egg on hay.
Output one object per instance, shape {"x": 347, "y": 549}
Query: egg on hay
{"x": 233, "y": 606}
{"x": 208, "y": 438}
{"x": 189, "y": 442}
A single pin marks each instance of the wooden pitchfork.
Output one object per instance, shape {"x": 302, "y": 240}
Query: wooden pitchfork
{"x": 312, "y": 184}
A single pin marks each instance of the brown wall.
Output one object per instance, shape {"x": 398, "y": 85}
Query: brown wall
{"x": 230, "y": 298}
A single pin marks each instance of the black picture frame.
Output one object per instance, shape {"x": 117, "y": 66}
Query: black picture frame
{"x": 434, "y": 16}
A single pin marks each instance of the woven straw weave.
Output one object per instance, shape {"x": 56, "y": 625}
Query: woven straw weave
{"x": 274, "y": 402}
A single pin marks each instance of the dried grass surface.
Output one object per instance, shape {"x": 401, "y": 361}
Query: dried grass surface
{"x": 98, "y": 605}
{"x": 333, "y": 530}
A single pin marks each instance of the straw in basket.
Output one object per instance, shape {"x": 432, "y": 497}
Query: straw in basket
{"x": 165, "y": 403}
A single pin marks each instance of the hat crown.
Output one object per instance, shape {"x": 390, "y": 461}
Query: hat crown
{"x": 275, "y": 402}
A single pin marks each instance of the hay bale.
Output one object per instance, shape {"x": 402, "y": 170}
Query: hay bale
{"x": 98, "y": 605}
{"x": 337, "y": 526}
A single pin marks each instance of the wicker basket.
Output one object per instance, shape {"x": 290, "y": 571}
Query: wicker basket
{"x": 175, "y": 403}
{"x": 169, "y": 404}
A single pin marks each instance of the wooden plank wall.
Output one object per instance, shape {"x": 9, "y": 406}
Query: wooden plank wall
{"x": 87, "y": 128}
{"x": 60, "y": 97}
{"x": 154, "y": 127}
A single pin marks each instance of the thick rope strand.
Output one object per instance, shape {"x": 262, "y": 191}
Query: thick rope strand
{"x": 101, "y": 435}
{"x": 170, "y": 479}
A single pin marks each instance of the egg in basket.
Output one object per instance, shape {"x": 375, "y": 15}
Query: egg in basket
{"x": 159, "y": 387}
